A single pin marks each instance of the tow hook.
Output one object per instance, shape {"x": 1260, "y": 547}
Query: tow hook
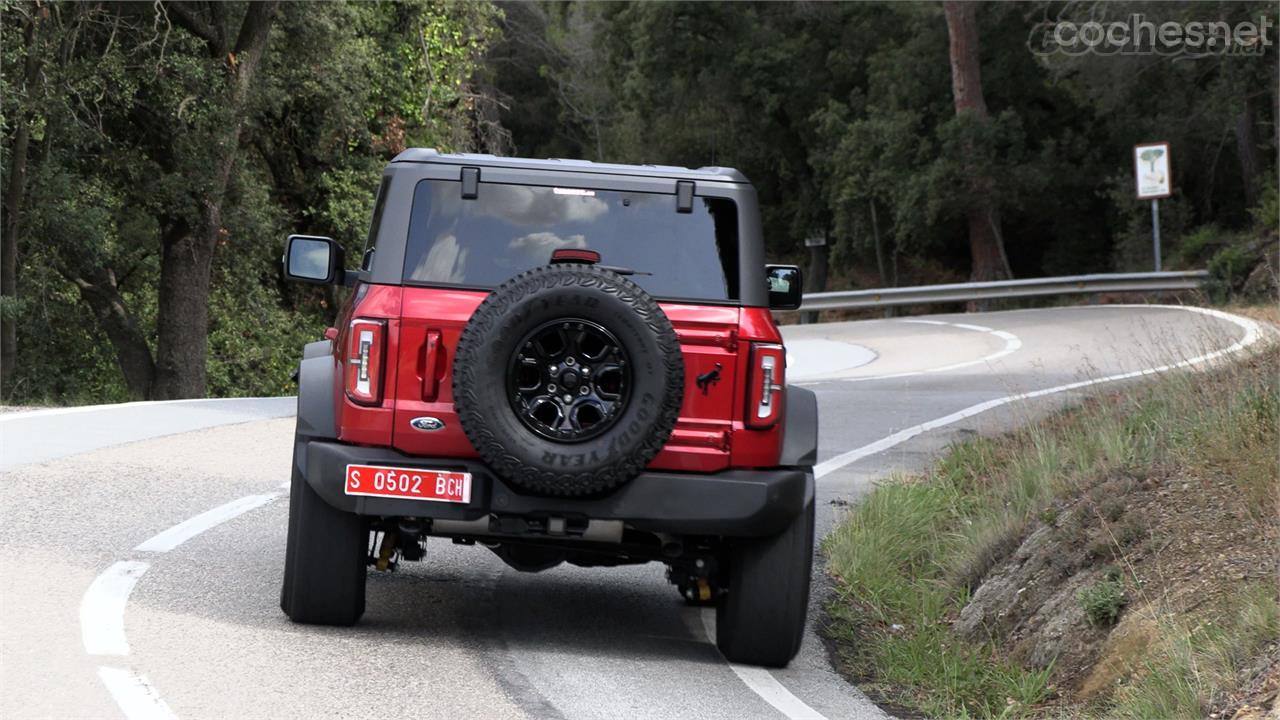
{"x": 703, "y": 590}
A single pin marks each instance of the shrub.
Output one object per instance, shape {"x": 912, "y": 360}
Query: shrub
{"x": 1103, "y": 601}
{"x": 1112, "y": 509}
{"x": 1132, "y": 532}
{"x": 1228, "y": 269}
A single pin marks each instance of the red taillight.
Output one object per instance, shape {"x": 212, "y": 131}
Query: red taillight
{"x": 365, "y": 351}
{"x": 765, "y": 386}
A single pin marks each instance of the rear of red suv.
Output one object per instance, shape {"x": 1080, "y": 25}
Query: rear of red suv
{"x": 567, "y": 362}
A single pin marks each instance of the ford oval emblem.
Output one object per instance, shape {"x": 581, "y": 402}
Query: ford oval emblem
{"x": 427, "y": 424}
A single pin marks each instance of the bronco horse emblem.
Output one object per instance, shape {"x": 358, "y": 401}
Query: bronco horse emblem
{"x": 709, "y": 378}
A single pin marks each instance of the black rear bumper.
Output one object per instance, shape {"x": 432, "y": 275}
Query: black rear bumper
{"x": 732, "y": 503}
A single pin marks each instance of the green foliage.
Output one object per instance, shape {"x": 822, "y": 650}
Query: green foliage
{"x": 1228, "y": 269}
{"x": 1267, "y": 214}
{"x": 77, "y": 366}
{"x": 890, "y": 611}
{"x": 127, "y": 127}
{"x": 1196, "y": 247}
{"x": 838, "y": 112}
{"x": 1103, "y": 601}
{"x": 836, "y": 109}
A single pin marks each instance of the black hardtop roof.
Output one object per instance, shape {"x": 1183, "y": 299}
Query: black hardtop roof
{"x": 429, "y": 155}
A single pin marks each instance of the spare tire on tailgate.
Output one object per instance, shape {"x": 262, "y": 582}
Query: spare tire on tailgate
{"x": 568, "y": 380}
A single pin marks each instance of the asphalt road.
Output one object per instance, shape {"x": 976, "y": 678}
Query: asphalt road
{"x": 142, "y": 579}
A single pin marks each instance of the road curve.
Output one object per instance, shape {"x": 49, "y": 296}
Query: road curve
{"x": 141, "y": 579}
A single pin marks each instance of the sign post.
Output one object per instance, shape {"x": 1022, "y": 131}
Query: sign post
{"x": 816, "y": 278}
{"x": 1155, "y": 230}
{"x": 1153, "y": 181}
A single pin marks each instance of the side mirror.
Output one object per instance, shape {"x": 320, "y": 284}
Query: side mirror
{"x": 784, "y": 286}
{"x": 312, "y": 259}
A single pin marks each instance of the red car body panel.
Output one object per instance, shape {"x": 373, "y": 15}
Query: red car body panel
{"x": 423, "y": 327}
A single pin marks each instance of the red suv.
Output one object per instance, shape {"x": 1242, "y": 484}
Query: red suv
{"x": 568, "y": 362}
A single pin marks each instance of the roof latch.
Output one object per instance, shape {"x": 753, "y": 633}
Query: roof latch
{"x": 684, "y": 196}
{"x": 470, "y": 183}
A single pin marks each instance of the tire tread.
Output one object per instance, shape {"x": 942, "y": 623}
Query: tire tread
{"x": 479, "y": 334}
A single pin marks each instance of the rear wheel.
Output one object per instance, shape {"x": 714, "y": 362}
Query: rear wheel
{"x": 761, "y": 619}
{"x": 325, "y": 560}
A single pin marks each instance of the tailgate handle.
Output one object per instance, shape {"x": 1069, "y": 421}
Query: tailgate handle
{"x": 431, "y": 356}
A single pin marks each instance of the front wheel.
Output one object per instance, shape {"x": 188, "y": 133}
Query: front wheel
{"x": 325, "y": 561}
{"x": 761, "y": 619}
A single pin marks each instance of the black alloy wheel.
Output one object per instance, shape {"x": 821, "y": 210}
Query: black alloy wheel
{"x": 569, "y": 380}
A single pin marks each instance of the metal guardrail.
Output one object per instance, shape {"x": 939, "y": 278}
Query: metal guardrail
{"x": 964, "y": 292}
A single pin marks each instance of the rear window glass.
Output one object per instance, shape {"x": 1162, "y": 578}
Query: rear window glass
{"x": 510, "y": 228}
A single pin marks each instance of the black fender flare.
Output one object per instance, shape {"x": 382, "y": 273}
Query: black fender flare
{"x": 317, "y": 415}
{"x": 800, "y": 429}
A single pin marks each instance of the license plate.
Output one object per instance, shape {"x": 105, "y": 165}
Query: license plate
{"x": 409, "y": 483}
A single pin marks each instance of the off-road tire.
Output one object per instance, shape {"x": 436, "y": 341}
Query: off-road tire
{"x": 761, "y": 619}
{"x": 482, "y": 363}
{"x": 325, "y": 562}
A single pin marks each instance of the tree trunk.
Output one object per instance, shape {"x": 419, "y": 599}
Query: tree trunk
{"x": 187, "y": 257}
{"x": 816, "y": 278}
{"x": 14, "y": 195}
{"x": 1247, "y": 149}
{"x": 984, "y": 248}
{"x": 1275, "y": 103}
{"x": 100, "y": 293}
{"x": 875, "y": 238}
{"x": 182, "y": 325}
{"x": 985, "y": 252}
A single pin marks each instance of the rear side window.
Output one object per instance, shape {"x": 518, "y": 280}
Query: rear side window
{"x": 510, "y": 228}
{"x": 366, "y": 260}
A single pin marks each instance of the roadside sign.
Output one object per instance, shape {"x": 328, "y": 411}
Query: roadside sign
{"x": 1152, "y": 180}
{"x": 1151, "y": 171}
{"x": 815, "y": 240}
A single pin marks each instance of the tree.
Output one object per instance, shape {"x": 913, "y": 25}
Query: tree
{"x": 15, "y": 194}
{"x": 168, "y": 172}
{"x": 685, "y": 95}
{"x": 1150, "y": 156}
{"x": 986, "y": 245}
{"x": 188, "y": 240}
{"x": 190, "y": 162}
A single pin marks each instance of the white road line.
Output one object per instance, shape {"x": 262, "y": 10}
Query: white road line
{"x": 28, "y": 414}
{"x": 967, "y": 326}
{"x": 187, "y": 529}
{"x": 1011, "y": 344}
{"x": 102, "y": 608}
{"x": 761, "y": 681}
{"x": 1251, "y": 335}
{"x": 135, "y": 696}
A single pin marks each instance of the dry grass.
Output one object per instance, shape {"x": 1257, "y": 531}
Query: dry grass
{"x": 1133, "y": 470}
